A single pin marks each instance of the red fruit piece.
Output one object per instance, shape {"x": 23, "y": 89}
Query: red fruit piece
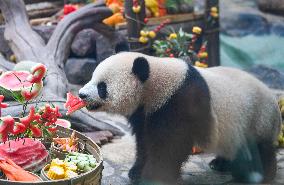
{"x": 30, "y": 118}
{"x": 18, "y": 128}
{"x": 36, "y": 131}
{"x": 3, "y": 105}
{"x": 37, "y": 73}
{"x": 68, "y": 9}
{"x": 50, "y": 114}
{"x": 73, "y": 103}
{"x": 6, "y": 126}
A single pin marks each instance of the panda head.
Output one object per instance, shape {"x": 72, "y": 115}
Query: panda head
{"x": 117, "y": 84}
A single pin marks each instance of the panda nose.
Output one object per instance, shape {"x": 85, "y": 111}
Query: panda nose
{"x": 83, "y": 96}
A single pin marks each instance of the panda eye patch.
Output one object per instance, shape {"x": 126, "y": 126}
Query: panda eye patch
{"x": 102, "y": 90}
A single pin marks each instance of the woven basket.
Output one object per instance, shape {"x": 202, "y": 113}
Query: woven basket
{"x": 92, "y": 177}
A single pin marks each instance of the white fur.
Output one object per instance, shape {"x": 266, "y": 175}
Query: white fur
{"x": 242, "y": 105}
{"x": 166, "y": 76}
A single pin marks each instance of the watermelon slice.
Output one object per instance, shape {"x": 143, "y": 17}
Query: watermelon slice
{"x": 73, "y": 103}
{"x": 63, "y": 122}
{"x": 15, "y": 84}
{"x": 28, "y": 153}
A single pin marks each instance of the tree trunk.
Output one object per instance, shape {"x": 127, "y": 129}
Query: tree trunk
{"x": 28, "y": 45}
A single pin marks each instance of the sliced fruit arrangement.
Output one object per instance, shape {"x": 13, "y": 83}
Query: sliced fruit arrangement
{"x": 63, "y": 122}
{"x": 24, "y": 82}
{"x": 84, "y": 162}
{"x": 73, "y": 103}
{"x": 28, "y": 153}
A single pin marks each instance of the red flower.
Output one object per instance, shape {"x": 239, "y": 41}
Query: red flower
{"x": 36, "y": 131}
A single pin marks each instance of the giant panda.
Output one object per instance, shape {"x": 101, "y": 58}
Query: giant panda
{"x": 173, "y": 106}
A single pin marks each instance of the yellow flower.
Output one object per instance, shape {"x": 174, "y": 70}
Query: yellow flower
{"x": 214, "y": 14}
{"x": 136, "y": 9}
{"x": 143, "y": 40}
{"x": 144, "y": 33}
{"x": 203, "y": 55}
{"x": 196, "y": 30}
{"x": 214, "y": 9}
{"x": 152, "y": 34}
{"x": 173, "y": 36}
{"x": 199, "y": 64}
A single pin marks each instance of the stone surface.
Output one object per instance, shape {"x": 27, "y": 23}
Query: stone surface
{"x": 271, "y": 77}
{"x": 242, "y": 18}
{"x": 84, "y": 44}
{"x": 277, "y": 29}
{"x": 271, "y": 6}
{"x": 79, "y": 71}
{"x": 100, "y": 137}
{"x": 241, "y": 24}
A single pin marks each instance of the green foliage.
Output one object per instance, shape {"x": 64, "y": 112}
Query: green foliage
{"x": 178, "y": 46}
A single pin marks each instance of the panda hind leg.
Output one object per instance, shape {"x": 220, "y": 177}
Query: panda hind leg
{"x": 267, "y": 152}
{"x": 220, "y": 164}
{"x": 254, "y": 163}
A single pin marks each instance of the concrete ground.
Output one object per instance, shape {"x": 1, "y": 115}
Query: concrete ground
{"x": 119, "y": 157}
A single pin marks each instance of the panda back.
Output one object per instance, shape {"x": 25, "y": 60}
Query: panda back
{"x": 243, "y": 106}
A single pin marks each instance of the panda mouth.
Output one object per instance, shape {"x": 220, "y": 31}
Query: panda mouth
{"x": 93, "y": 106}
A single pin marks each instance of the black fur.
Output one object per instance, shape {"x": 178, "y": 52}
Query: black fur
{"x": 165, "y": 137}
{"x": 137, "y": 120}
{"x": 255, "y": 157}
{"x": 122, "y": 46}
{"x": 220, "y": 164}
{"x": 102, "y": 90}
{"x": 141, "y": 68}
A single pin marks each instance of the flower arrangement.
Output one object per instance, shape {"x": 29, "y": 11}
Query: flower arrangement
{"x": 182, "y": 44}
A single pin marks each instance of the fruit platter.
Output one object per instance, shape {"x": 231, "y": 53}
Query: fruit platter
{"x": 38, "y": 147}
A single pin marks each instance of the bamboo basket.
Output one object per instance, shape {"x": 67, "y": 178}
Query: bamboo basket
{"x": 92, "y": 177}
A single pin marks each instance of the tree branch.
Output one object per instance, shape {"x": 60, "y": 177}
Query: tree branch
{"x": 66, "y": 30}
{"x": 5, "y": 64}
{"x": 24, "y": 42}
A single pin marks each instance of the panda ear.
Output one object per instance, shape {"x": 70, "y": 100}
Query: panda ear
{"x": 121, "y": 46}
{"x": 141, "y": 68}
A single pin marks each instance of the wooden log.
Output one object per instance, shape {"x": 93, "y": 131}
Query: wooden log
{"x": 40, "y": 21}
{"x": 5, "y": 64}
{"x": 212, "y": 35}
{"x": 39, "y": 1}
{"x": 135, "y": 22}
{"x": 176, "y": 18}
{"x": 48, "y": 12}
